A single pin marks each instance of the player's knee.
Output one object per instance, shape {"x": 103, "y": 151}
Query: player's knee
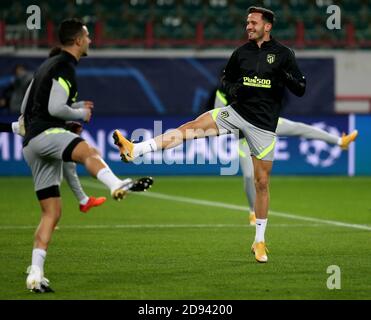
{"x": 94, "y": 152}
{"x": 52, "y": 215}
{"x": 85, "y": 154}
{"x": 262, "y": 183}
{"x": 190, "y": 125}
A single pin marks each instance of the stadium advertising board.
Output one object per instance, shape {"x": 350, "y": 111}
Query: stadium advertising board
{"x": 362, "y": 148}
{"x": 212, "y": 156}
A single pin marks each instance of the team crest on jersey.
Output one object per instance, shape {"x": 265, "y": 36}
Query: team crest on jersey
{"x": 271, "y": 58}
{"x": 224, "y": 114}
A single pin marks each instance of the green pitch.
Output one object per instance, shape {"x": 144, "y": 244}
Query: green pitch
{"x": 167, "y": 244}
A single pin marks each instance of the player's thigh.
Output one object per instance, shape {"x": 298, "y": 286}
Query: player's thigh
{"x": 226, "y": 120}
{"x": 55, "y": 143}
{"x": 205, "y": 122}
{"x": 286, "y": 127}
{"x": 51, "y": 208}
{"x": 46, "y": 172}
{"x": 262, "y": 168}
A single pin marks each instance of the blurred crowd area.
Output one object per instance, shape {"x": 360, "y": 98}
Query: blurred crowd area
{"x": 188, "y": 23}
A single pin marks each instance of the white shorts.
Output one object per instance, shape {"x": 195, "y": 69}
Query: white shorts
{"x": 261, "y": 142}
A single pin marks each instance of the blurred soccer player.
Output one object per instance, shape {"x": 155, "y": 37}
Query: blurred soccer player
{"x": 285, "y": 127}
{"x": 69, "y": 168}
{"x": 255, "y": 78}
{"x": 50, "y": 100}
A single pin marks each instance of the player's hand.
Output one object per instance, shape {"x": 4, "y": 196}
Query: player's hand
{"x": 88, "y": 114}
{"x": 88, "y": 104}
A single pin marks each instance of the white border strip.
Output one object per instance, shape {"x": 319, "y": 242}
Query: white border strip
{"x": 352, "y": 147}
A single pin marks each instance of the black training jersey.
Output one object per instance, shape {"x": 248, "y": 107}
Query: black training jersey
{"x": 261, "y": 75}
{"x": 36, "y": 115}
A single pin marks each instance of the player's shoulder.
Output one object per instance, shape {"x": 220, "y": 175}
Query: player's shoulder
{"x": 242, "y": 49}
{"x": 283, "y": 48}
{"x": 246, "y": 46}
{"x": 62, "y": 66}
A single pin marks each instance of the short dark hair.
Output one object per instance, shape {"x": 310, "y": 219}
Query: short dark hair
{"x": 268, "y": 15}
{"x": 69, "y": 30}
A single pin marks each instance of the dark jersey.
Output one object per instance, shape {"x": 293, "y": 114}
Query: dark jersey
{"x": 261, "y": 74}
{"x": 36, "y": 114}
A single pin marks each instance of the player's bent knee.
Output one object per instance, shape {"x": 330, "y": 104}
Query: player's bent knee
{"x": 262, "y": 184}
{"x": 83, "y": 151}
{"x": 95, "y": 151}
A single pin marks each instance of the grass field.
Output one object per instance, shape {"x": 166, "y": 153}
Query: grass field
{"x": 168, "y": 244}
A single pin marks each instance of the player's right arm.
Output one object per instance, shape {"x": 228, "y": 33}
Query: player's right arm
{"x": 230, "y": 77}
{"x": 60, "y": 95}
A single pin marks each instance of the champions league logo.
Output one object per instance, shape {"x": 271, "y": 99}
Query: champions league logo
{"x": 319, "y": 153}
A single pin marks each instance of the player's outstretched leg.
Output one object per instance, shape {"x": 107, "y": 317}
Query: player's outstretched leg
{"x": 91, "y": 159}
{"x": 126, "y": 147}
{"x": 287, "y": 127}
{"x": 346, "y": 139}
{"x": 203, "y": 126}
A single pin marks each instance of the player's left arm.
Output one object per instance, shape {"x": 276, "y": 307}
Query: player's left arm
{"x": 292, "y": 76}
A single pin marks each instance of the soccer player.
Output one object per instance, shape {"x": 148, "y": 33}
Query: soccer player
{"x": 255, "y": 78}
{"x": 69, "y": 168}
{"x": 285, "y": 127}
{"x": 49, "y": 102}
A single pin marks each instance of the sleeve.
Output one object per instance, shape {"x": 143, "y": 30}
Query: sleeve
{"x": 293, "y": 78}
{"x": 59, "y": 94}
{"x": 25, "y": 98}
{"x": 78, "y": 105}
{"x": 230, "y": 77}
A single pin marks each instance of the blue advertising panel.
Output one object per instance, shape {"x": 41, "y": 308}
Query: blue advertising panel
{"x": 363, "y": 145}
{"x": 295, "y": 155}
{"x": 212, "y": 156}
{"x": 173, "y": 86}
